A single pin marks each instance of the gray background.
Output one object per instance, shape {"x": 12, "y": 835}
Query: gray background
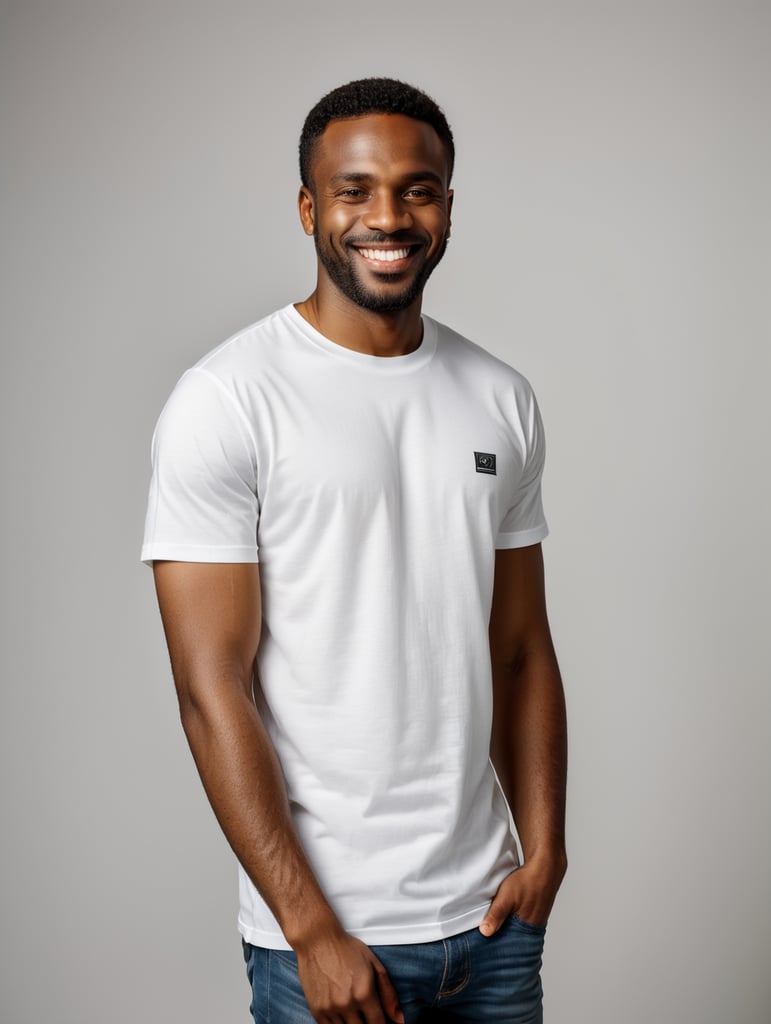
{"x": 611, "y": 240}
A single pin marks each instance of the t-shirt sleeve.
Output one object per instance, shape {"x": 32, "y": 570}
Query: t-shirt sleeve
{"x": 203, "y": 504}
{"x": 524, "y": 522}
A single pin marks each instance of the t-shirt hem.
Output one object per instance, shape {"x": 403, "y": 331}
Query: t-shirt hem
{"x": 522, "y": 538}
{"x": 197, "y": 553}
{"x": 396, "y": 936}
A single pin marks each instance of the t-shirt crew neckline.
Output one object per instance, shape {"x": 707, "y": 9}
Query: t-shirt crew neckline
{"x": 379, "y": 364}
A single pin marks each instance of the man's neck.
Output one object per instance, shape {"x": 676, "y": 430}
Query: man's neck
{"x": 375, "y": 334}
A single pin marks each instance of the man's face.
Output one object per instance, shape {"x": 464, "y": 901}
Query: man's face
{"x": 378, "y": 208}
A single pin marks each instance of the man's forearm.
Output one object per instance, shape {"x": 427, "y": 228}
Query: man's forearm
{"x": 529, "y": 751}
{"x": 245, "y": 786}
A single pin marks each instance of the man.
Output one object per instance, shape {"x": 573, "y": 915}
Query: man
{"x": 345, "y": 523}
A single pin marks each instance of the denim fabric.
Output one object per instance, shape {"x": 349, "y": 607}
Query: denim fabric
{"x": 466, "y": 979}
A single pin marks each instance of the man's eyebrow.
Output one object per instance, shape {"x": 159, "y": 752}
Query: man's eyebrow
{"x": 342, "y": 176}
{"x": 425, "y": 176}
{"x": 357, "y": 177}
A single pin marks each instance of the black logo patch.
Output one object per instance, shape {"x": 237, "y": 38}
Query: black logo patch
{"x": 485, "y": 462}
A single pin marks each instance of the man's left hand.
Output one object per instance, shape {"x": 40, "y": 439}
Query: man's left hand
{"x": 528, "y": 892}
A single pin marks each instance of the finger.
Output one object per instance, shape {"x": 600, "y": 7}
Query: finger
{"x": 372, "y": 1015}
{"x": 366, "y": 1006}
{"x": 371, "y": 1012}
{"x": 388, "y": 997}
{"x": 497, "y": 913}
{"x": 354, "y": 1016}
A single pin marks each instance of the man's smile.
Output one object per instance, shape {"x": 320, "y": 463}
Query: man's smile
{"x": 385, "y": 255}
{"x": 393, "y": 258}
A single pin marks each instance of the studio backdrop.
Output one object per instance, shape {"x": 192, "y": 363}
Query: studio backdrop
{"x": 610, "y": 240}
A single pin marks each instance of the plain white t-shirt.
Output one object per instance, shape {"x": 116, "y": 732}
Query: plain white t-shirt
{"x": 374, "y": 493}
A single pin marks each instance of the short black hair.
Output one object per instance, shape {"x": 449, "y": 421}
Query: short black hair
{"x": 372, "y": 96}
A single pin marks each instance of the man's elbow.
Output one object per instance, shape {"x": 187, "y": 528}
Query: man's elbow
{"x": 207, "y": 703}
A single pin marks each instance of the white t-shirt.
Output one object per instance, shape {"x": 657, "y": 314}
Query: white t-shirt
{"x": 373, "y": 492}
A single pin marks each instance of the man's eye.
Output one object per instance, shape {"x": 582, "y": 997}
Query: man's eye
{"x": 418, "y": 193}
{"x": 352, "y": 193}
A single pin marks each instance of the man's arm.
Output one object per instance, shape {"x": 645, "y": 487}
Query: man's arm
{"x": 212, "y": 616}
{"x": 529, "y": 736}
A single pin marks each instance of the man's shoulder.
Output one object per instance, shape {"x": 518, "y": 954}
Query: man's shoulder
{"x": 249, "y": 347}
{"x": 228, "y": 376}
{"x": 473, "y": 357}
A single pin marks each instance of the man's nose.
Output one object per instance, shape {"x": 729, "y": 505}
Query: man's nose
{"x": 387, "y": 213}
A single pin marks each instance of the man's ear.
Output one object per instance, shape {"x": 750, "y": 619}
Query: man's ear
{"x": 450, "y": 197}
{"x": 307, "y": 212}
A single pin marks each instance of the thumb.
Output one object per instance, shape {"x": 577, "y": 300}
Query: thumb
{"x": 388, "y": 997}
{"x": 495, "y": 916}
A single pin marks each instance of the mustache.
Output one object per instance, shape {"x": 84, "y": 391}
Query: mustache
{"x": 400, "y": 238}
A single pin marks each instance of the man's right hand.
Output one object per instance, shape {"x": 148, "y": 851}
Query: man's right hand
{"x": 345, "y": 983}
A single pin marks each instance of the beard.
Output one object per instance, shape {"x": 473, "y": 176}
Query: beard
{"x": 342, "y": 271}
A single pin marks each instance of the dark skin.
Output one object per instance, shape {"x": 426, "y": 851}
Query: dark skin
{"x": 529, "y": 736}
{"x": 379, "y": 183}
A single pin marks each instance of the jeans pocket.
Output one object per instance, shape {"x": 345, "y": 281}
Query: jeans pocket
{"x": 527, "y": 926}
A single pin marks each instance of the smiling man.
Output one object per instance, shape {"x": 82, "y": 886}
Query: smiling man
{"x": 345, "y": 521}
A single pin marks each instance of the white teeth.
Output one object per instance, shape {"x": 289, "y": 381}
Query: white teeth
{"x": 385, "y": 255}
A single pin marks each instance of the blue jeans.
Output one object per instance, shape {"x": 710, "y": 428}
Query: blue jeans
{"x": 466, "y": 979}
